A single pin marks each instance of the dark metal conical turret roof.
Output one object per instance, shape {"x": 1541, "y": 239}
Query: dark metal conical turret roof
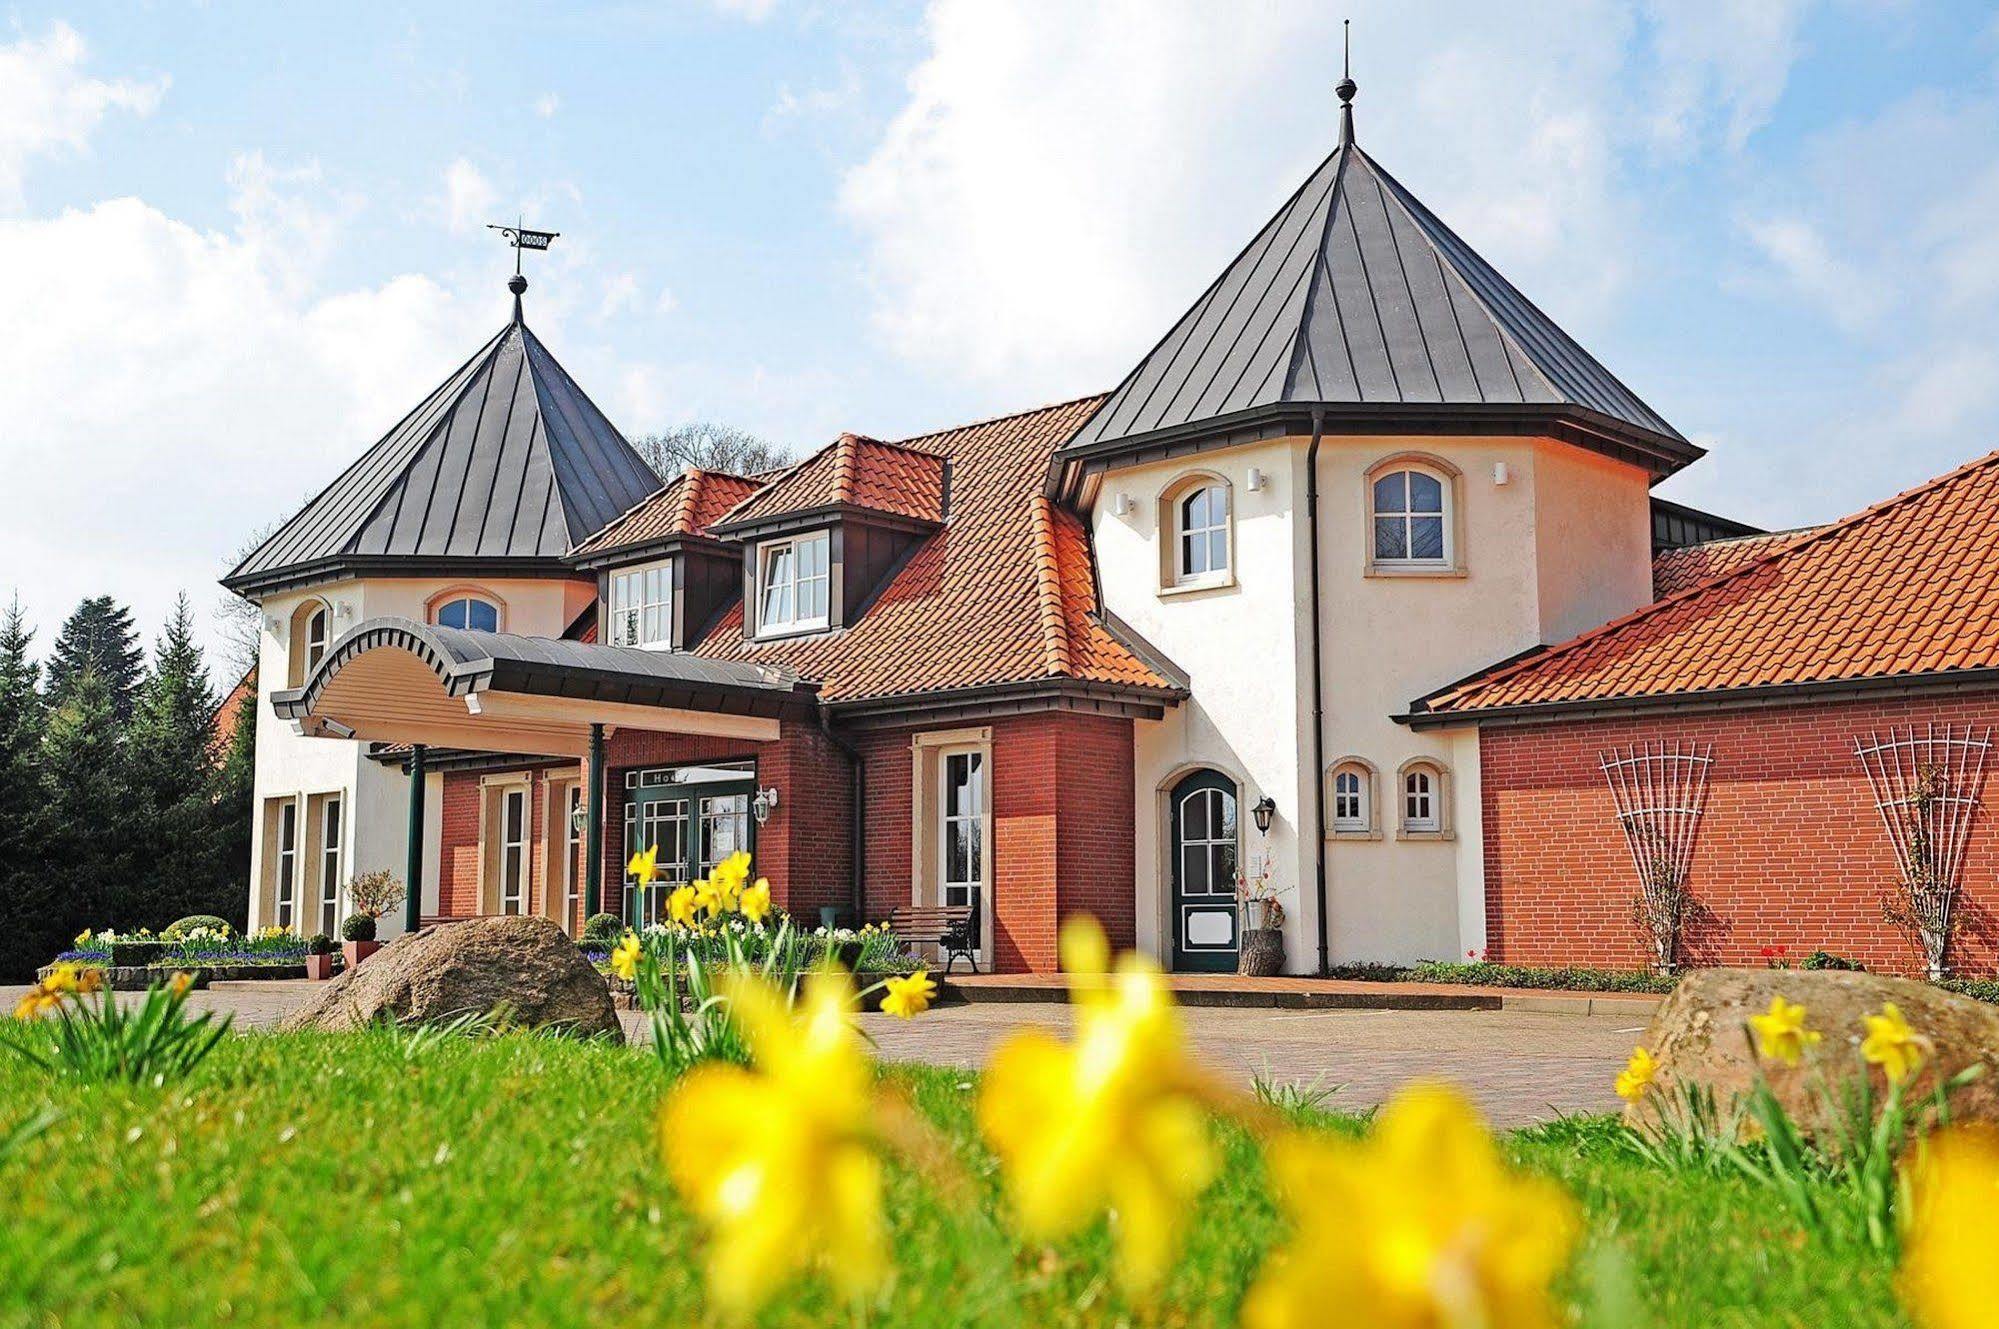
{"x": 1357, "y": 299}
{"x": 503, "y": 468}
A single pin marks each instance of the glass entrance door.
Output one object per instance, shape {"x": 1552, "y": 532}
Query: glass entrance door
{"x": 1204, "y": 873}
{"x": 694, "y": 817}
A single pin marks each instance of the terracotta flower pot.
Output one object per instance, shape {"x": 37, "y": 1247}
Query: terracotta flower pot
{"x": 357, "y": 951}
{"x": 319, "y": 967}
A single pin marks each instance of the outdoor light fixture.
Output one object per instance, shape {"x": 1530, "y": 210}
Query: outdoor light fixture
{"x": 763, "y": 805}
{"x": 579, "y": 818}
{"x": 1256, "y": 479}
{"x": 1265, "y": 809}
{"x": 1121, "y": 505}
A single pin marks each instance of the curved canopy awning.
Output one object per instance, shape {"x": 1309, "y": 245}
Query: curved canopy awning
{"x": 398, "y": 681}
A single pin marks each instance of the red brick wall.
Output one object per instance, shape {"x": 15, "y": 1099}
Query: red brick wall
{"x": 1791, "y": 851}
{"x": 1062, "y": 824}
{"x": 458, "y": 859}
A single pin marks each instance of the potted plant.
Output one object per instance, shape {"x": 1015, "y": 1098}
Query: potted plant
{"x": 1261, "y": 944}
{"x": 319, "y": 957}
{"x": 358, "y": 937}
{"x": 372, "y": 894}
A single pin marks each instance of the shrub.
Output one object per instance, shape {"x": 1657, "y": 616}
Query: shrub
{"x": 135, "y": 953}
{"x": 180, "y": 927}
{"x": 319, "y": 944}
{"x": 603, "y": 929}
{"x": 358, "y": 927}
{"x": 375, "y": 894}
{"x": 1827, "y": 960}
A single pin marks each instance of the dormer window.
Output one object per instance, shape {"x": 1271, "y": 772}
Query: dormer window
{"x": 467, "y": 611}
{"x": 794, "y": 584}
{"x": 642, "y": 607}
{"x": 315, "y": 638}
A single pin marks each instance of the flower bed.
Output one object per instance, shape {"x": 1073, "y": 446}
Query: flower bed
{"x": 220, "y": 954}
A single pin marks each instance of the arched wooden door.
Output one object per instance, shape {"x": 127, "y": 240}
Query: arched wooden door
{"x": 1205, "y": 849}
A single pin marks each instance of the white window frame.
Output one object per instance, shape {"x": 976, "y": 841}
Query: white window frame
{"x": 1355, "y": 818}
{"x": 571, "y": 847}
{"x": 284, "y": 882}
{"x": 317, "y": 636}
{"x": 1419, "y": 800}
{"x": 631, "y": 601}
{"x": 1222, "y": 525}
{"x": 974, "y": 820}
{"x": 1436, "y": 825}
{"x": 451, "y": 598}
{"x": 1445, "y": 513}
{"x": 767, "y": 552}
{"x": 332, "y": 847}
{"x": 517, "y": 848}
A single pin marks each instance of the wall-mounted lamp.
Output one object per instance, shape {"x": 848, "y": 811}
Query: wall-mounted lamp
{"x": 579, "y": 817}
{"x": 1121, "y": 505}
{"x": 343, "y": 609}
{"x": 1256, "y": 480}
{"x": 271, "y": 625}
{"x": 1265, "y": 809}
{"x": 1500, "y": 473}
{"x": 763, "y": 805}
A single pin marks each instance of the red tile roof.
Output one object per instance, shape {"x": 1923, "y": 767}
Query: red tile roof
{"x": 1001, "y": 593}
{"x": 1675, "y": 570}
{"x": 895, "y": 478}
{"x": 688, "y": 504}
{"x": 1908, "y": 587}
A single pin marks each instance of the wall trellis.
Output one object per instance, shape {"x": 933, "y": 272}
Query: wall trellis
{"x": 1661, "y": 792}
{"x": 1926, "y": 785}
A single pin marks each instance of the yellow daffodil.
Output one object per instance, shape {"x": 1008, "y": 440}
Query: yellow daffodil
{"x": 181, "y": 983}
{"x": 1780, "y": 1032}
{"x": 83, "y": 937}
{"x": 1115, "y": 1120}
{"x": 681, "y": 906}
{"x": 780, "y": 1161}
{"x": 1636, "y": 1077}
{"x": 1420, "y": 1225}
{"x": 625, "y": 958}
{"x": 643, "y": 866}
{"x": 36, "y": 1000}
{"x": 61, "y": 980}
{"x": 733, "y": 873}
{"x": 756, "y": 901}
{"x": 1892, "y": 1045}
{"x": 904, "y": 997}
{"x": 1951, "y": 1244}
{"x": 717, "y": 894}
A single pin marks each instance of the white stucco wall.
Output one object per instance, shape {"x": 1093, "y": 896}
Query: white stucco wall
{"x": 375, "y": 798}
{"x": 1551, "y": 541}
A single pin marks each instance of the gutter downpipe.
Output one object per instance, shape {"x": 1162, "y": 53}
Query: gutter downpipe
{"x": 1318, "y": 686}
{"x": 857, "y": 841}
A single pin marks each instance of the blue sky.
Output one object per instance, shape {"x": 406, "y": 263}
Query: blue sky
{"x": 241, "y": 241}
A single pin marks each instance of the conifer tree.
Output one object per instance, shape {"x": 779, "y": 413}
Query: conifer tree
{"x": 90, "y": 823}
{"x": 98, "y": 637}
{"x": 23, "y": 800}
{"x": 174, "y": 835}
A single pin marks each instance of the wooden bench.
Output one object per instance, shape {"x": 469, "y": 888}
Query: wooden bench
{"x": 952, "y": 928}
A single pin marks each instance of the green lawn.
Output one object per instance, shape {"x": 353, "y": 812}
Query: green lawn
{"x": 515, "y": 1180}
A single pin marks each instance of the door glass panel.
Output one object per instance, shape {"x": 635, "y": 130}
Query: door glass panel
{"x": 725, "y": 828}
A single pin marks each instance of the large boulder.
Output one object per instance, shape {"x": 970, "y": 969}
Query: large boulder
{"x": 525, "y": 966}
{"x": 1700, "y": 1033}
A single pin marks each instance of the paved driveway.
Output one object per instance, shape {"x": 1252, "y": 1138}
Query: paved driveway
{"x": 1520, "y": 1066}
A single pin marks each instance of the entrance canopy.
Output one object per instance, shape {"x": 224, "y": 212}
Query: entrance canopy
{"x": 394, "y": 680}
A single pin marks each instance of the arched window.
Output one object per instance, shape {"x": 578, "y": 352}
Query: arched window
{"x": 467, "y": 611}
{"x": 310, "y": 636}
{"x": 1351, "y": 797}
{"x": 1411, "y": 525}
{"x": 1425, "y": 798}
{"x": 1197, "y": 524}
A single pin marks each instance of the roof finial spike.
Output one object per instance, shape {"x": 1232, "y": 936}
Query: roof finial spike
{"x": 521, "y": 237}
{"x": 1347, "y": 87}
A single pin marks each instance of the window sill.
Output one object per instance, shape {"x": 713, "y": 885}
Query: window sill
{"x": 1434, "y": 572}
{"x": 798, "y": 630}
{"x": 1198, "y": 586}
{"x": 1426, "y": 835}
{"x": 1355, "y": 835}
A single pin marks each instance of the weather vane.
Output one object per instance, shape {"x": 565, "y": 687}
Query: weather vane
{"x": 521, "y": 237}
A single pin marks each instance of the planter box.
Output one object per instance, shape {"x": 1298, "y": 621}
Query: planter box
{"x": 357, "y": 951}
{"x": 1262, "y": 953}
{"x": 320, "y": 967}
{"x": 135, "y": 954}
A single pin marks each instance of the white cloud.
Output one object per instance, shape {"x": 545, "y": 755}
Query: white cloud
{"x": 1037, "y": 214}
{"x": 753, "y": 11}
{"x": 667, "y": 301}
{"x": 49, "y": 107}
{"x": 1808, "y": 265}
{"x": 547, "y": 105}
{"x": 468, "y": 196}
{"x": 621, "y": 292}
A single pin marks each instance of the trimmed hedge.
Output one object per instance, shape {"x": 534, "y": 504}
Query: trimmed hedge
{"x": 180, "y": 927}
{"x": 1509, "y": 976}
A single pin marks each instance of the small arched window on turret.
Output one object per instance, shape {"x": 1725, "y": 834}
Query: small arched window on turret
{"x": 1412, "y": 517}
{"x": 1197, "y": 522}
{"x": 457, "y": 609}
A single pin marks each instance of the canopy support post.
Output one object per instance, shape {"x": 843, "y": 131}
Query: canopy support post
{"x": 593, "y": 836}
{"x": 413, "y": 865}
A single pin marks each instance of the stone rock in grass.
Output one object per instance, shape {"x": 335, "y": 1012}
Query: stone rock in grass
{"x": 524, "y": 965}
{"x": 1699, "y": 1033}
